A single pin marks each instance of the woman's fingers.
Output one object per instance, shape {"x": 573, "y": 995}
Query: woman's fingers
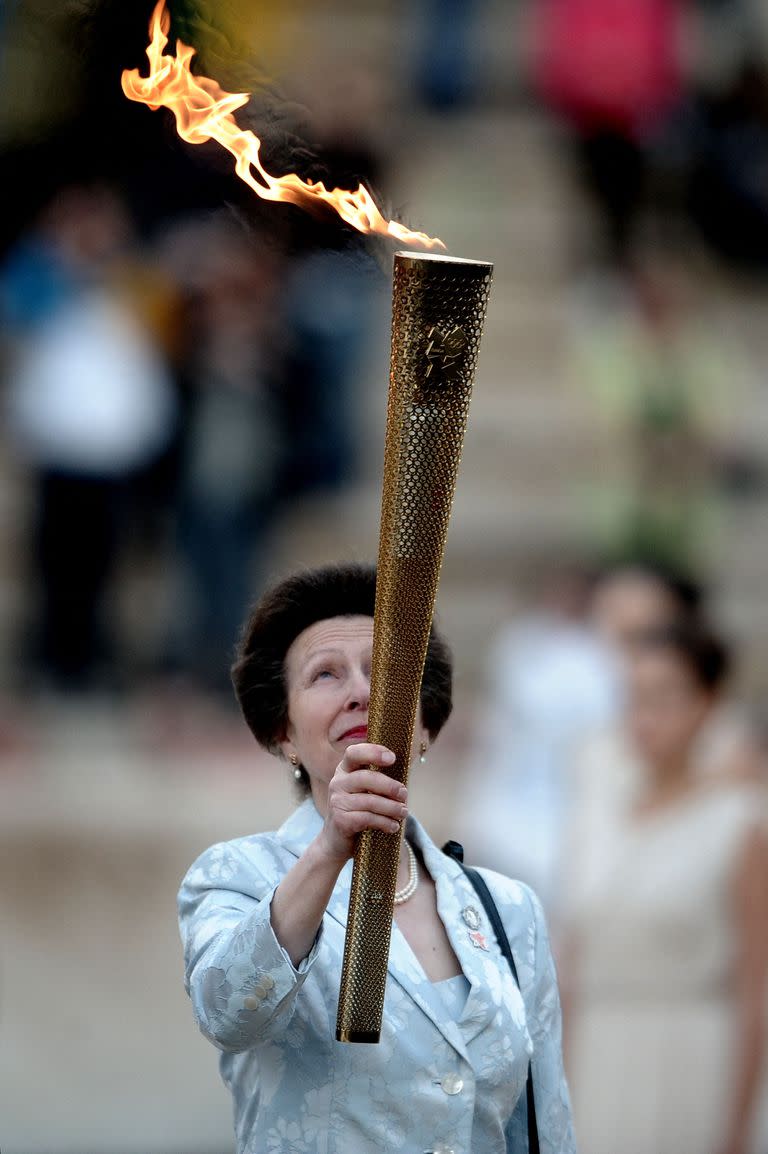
{"x": 357, "y": 821}
{"x": 353, "y": 773}
{"x": 350, "y": 796}
{"x": 361, "y": 797}
{"x": 370, "y": 781}
{"x": 366, "y": 753}
{"x": 371, "y": 803}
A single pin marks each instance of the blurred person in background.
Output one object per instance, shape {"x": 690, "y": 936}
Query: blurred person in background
{"x": 449, "y": 70}
{"x": 613, "y": 72}
{"x": 230, "y": 447}
{"x": 327, "y": 309}
{"x": 329, "y": 295}
{"x": 549, "y": 681}
{"x": 628, "y": 601}
{"x": 555, "y": 685}
{"x": 90, "y": 407}
{"x": 669, "y": 395}
{"x": 728, "y": 193}
{"x": 630, "y": 598}
{"x": 667, "y": 927}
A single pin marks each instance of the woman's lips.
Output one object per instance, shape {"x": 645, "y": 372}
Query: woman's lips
{"x": 359, "y": 733}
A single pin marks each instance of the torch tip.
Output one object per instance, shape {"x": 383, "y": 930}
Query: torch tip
{"x": 429, "y": 257}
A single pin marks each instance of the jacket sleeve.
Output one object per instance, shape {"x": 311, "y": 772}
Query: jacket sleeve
{"x": 538, "y": 983}
{"x": 242, "y": 983}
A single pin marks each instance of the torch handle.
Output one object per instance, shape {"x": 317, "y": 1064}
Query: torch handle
{"x": 438, "y": 312}
{"x": 391, "y": 719}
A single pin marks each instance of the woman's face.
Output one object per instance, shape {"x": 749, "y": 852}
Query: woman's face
{"x": 629, "y": 604}
{"x": 667, "y": 707}
{"x": 328, "y": 675}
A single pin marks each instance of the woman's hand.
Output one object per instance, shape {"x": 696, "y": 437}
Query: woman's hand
{"x": 361, "y": 798}
{"x": 358, "y": 798}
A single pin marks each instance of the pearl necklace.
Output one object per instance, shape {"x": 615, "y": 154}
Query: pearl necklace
{"x": 409, "y": 889}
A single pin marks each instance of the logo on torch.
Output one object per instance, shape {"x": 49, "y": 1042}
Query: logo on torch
{"x": 445, "y": 350}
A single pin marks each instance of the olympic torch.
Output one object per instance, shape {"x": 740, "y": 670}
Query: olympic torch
{"x": 438, "y": 310}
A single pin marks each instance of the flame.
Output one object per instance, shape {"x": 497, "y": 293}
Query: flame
{"x": 204, "y": 111}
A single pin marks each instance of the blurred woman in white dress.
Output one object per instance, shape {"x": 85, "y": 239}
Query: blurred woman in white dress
{"x": 668, "y": 928}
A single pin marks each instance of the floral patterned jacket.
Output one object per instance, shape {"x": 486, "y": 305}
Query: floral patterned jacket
{"x": 432, "y": 1084}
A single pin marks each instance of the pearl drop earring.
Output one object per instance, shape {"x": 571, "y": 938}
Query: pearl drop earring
{"x": 423, "y": 752}
{"x": 296, "y": 767}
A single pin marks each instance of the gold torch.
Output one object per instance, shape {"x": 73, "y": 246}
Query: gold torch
{"x": 438, "y": 310}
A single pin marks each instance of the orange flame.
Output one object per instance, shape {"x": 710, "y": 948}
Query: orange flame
{"x": 203, "y": 111}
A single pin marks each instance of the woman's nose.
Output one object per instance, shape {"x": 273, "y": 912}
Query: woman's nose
{"x": 359, "y": 691}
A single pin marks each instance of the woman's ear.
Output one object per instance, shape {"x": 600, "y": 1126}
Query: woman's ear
{"x": 285, "y": 749}
{"x": 283, "y": 746}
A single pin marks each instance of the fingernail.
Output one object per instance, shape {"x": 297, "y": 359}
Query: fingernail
{"x": 388, "y": 757}
{"x": 402, "y": 793}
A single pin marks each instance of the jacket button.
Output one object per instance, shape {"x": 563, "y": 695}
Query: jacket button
{"x": 452, "y": 1083}
{"x": 443, "y": 1150}
{"x": 251, "y": 1003}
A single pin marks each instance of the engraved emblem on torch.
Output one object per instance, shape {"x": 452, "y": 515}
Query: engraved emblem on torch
{"x": 444, "y": 350}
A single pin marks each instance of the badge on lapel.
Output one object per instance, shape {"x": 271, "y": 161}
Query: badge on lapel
{"x": 472, "y": 920}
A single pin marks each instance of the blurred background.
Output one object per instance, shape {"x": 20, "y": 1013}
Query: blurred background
{"x": 193, "y": 390}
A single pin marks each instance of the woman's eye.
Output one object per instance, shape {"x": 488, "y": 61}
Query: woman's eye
{"x": 321, "y": 673}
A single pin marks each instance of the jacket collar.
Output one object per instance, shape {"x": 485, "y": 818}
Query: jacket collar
{"x": 486, "y": 969}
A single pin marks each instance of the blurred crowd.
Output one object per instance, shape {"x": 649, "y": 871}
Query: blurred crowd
{"x": 179, "y": 361}
{"x": 175, "y": 372}
{"x": 665, "y": 106}
{"x": 179, "y": 366}
{"x": 168, "y": 396}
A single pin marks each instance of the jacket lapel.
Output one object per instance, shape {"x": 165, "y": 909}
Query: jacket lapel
{"x": 481, "y": 960}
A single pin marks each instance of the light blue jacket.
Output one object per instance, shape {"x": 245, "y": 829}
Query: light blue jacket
{"x": 296, "y": 1089}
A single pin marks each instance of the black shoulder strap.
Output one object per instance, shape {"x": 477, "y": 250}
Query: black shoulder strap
{"x": 456, "y": 851}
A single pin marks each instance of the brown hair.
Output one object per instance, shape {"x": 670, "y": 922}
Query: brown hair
{"x": 706, "y": 656}
{"x": 290, "y": 607}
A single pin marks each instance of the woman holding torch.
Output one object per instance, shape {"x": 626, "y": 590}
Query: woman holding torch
{"x": 263, "y": 920}
{"x": 263, "y": 917}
